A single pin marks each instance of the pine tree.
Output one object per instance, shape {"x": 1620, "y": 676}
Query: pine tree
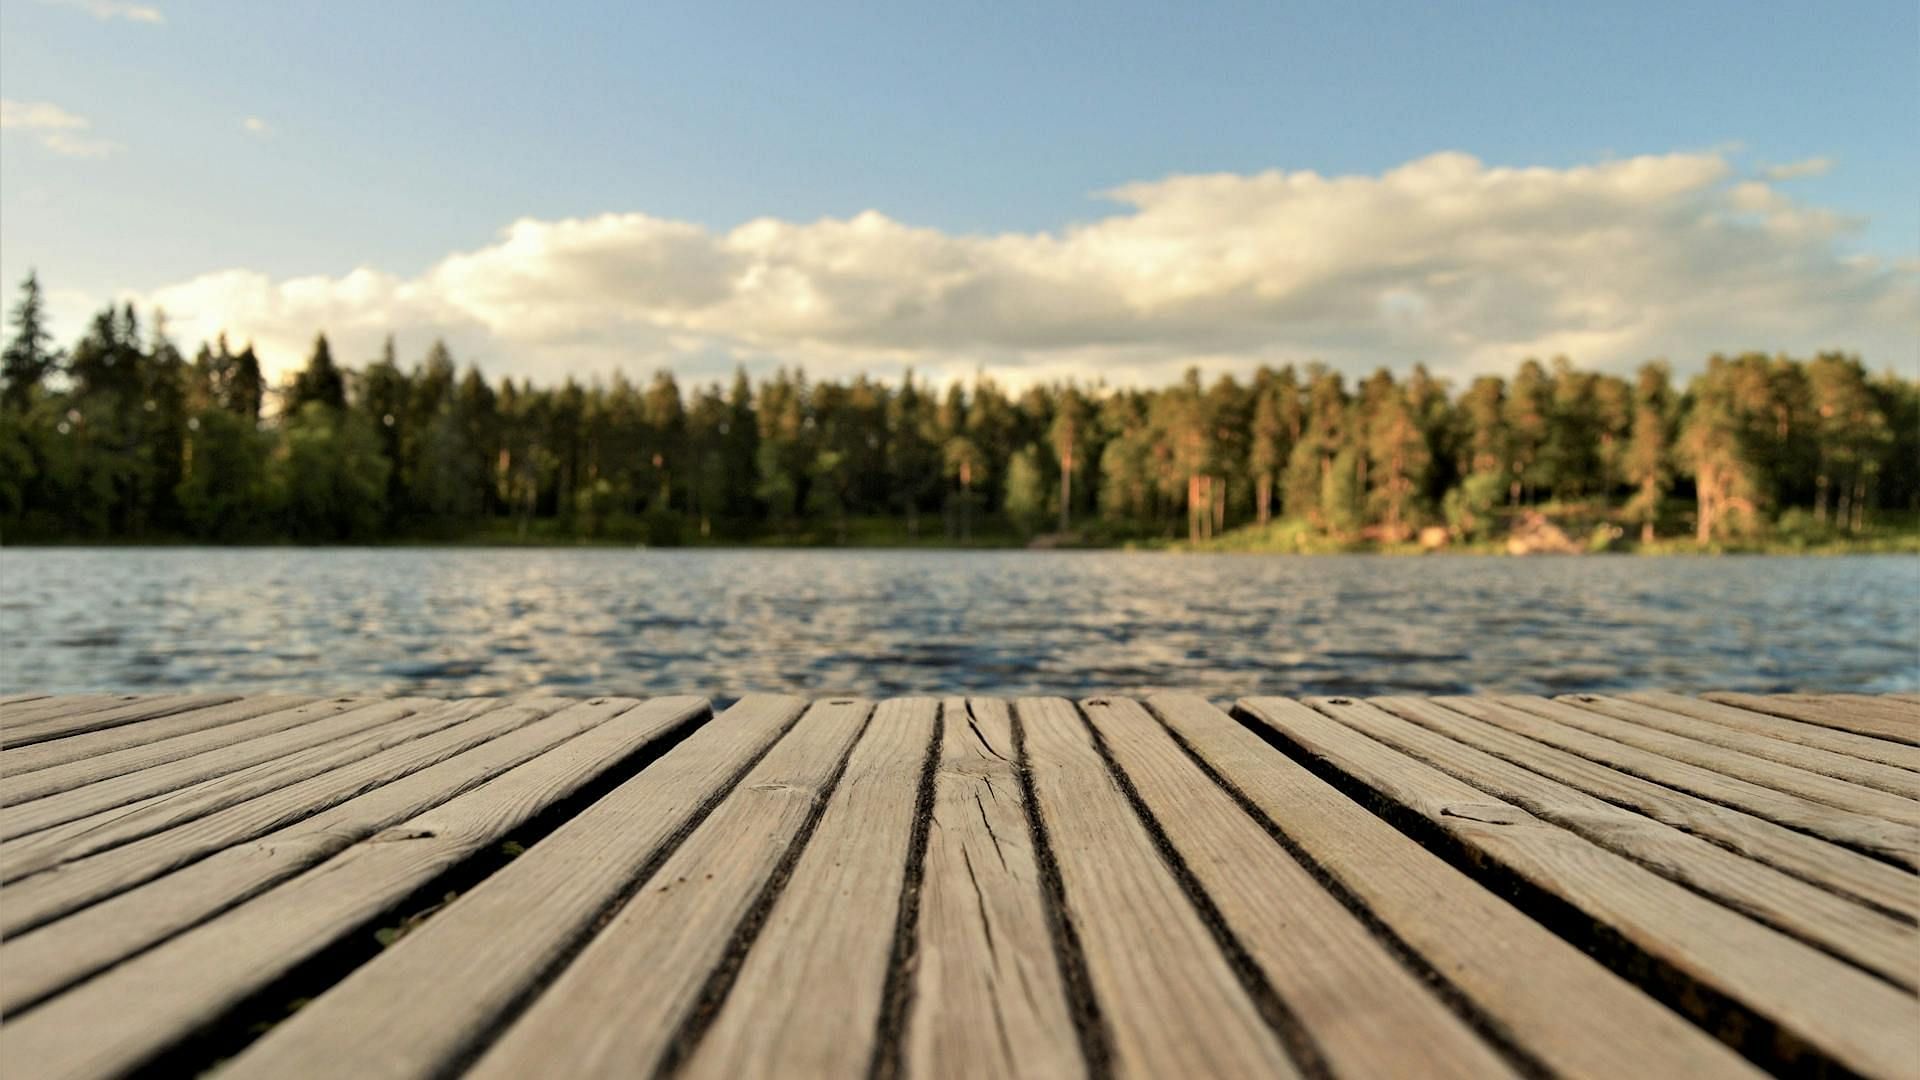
{"x": 30, "y": 355}
{"x": 319, "y": 383}
{"x": 1647, "y": 463}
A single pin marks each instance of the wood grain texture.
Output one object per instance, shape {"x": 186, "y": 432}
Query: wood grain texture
{"x": 1338, "y": 985}
{"x": 111, "y": 826}
{"x": 1530, "y": 741}
{"x": 32, "y": 772}
{"x": 1889, "y": 840}
{"x": 1517, "y": 978}
{"x": 1722, "y": 759}
{"x": 1882, "y": 704}
{"x": 72, "y": 885}
{"x": 987, "y": 993}
{"x": 327, "y": 734}
{"x": 1819, "y": 1007}
{"x": 117, "y": 1022}
{"x": 808, "y": 997}
{"x": 489, "y": 952}
{"x": 1172, "y": 1002}
{"x": 618, "y": 1007}
{"x": 1742, "y": 763}
{"x": 1868, "y": 938}
{"x": 21, "y": 699}
{"x": 1903, "y": 783}
{"x": 1863, "y": 747}
{"x": 57, "y": 721}
{"x": 1893, "y": 727}
{"x": 37, "y": 964}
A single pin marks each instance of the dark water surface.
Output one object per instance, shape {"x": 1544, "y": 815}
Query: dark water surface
{"x": 719, "y": 623}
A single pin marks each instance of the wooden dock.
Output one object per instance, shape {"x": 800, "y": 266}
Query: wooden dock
{"x": 1643, "y": 885}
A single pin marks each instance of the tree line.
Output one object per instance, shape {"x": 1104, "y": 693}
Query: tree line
{"x": 121, "y": 436}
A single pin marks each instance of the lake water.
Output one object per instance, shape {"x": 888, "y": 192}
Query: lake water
{"x": 719, "y": 623}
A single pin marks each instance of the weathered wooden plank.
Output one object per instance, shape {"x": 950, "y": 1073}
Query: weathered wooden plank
{"x": 122, "y": 1019}
{"x": 1863, "y": 747}
{"x": 1860, "y": 721}
{"x": 1172, "y": 1003}
{"x": 1534, "y": 742}
{"x": 1544, "y": 998}
{"x": 1878, "y": 704}
{"x": 103, "y": 755}
{"x": 47, "y": 811}
{"x": 117, "y": 824}
{"x": 72, "y": 885}
{"x": 42, "y": 962}
{"x": 1887, "y": 778}
{"x": 67, "y": 705}
{"x": 1868, "y": 938}
{"x": 58, "y": 722}
{"x": 1336, "y": 985}
{"x": 1818, "y": 1007}
{"x": 983, "y": 961}
{"x": 1911, "y": 699}
{"x": 807, "y": 999}
{"x": 622, "y": 1004}
{"x": 1895, "y": 842}
{"x": 1745, "y": 765}
{"x": 484, "y": 954}
{"x": 13, "y": 700}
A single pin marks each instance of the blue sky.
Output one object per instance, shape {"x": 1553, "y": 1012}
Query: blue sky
{"x": 391, "y": 136}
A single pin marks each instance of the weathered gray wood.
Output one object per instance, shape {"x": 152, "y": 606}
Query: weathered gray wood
{"x": 103, "y": 755}
{"x": 1895, "y": 728}
{"x": 1529, "y": 740}
{"x": 1551, "y": 1001}
{"x": 118, "y": 824}
{"x": 619, "y": 1006}
{"x": 42, "y": 813}
{"x": 511, "y": 931}
{"x": 1864, "y": 747}
{"x": 807, "y": 999}
{"x": 1172, "y": 1003}
{"x": 1745, "y": 765}
{"x": 45, "y": 961}
{"x": 1861, "y": 831}
{"x": 66, "y": 705}
{"x": 12, "y": 700}
{"x": 1872, "y": 940}
{"x": 116, "y": 1022}
{"x": 58, "y": 722}
{"x": 1831, "y": 1009}
{"x": 983, "y": 961}
{"x": 1878, "y": 704}
{"x": 1339, "y": 984}
{"x": 72, "y": 885}
{"x": 1895, "y": 781}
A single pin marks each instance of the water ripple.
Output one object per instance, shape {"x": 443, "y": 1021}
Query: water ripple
{"x": 722, "y": 623}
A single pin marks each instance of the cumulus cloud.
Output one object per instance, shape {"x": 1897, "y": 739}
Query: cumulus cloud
{"x": 54, "y": 128}
{"x": 1443, "y": 260}
{"x": 113, "y": 9}
{"x": 1795, "y": 170}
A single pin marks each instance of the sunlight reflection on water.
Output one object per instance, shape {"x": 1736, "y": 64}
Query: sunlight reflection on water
{"x": 720, "y": 623}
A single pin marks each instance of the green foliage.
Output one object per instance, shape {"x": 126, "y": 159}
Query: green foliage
{"x": 328, "y": 477}
{"x": 120, "y": 438}
{"x": 1026, "y": 495}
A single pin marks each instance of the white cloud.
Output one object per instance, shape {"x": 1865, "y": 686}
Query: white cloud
{"x": 1794, "y": 170}
{"x": 253, "y": 125}
{"x": 113, "y": 9}
{"x": 54, "y": 127}
{"x": 1443, "y": 260}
